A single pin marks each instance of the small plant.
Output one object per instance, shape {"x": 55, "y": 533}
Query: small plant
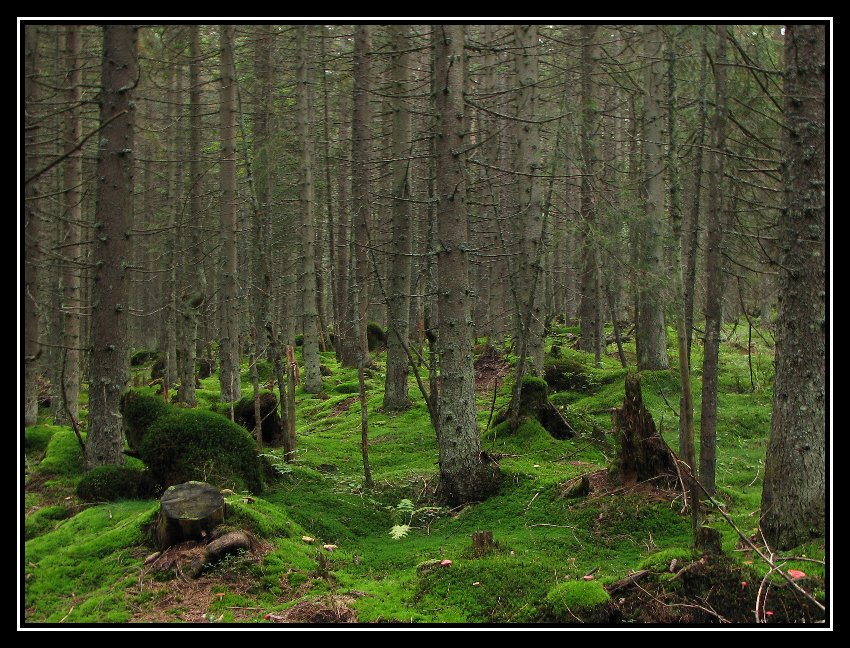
{"x": 405, "y": 511}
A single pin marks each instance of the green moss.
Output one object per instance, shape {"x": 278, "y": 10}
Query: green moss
{"x": 188, "y": 444}
{"x": 575, "y": 597}
{"x": 143, "y": 357}
{"x": 107, "y": 483}
{"x": 64, "y": 456}
{"x": 140, "y": 411}
{"x": 660, "y": 560}
{"x": 44, "y": 520}
{"x": 347, "y": 388}
{"x": 568, "y": 372}
{"x": 37, "y": 437}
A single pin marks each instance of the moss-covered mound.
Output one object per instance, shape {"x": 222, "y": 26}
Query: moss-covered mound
{"x": 143, "y": 357}
{"x": 188, "y": 445}
{"x": 140, "y": 411}
{"x": 243, "y": 413}
{"x": 578, "y": 601}
{"x": 376, "y": 336}
{"x": 108, "y": 483}
{"x": 569, "y": 373}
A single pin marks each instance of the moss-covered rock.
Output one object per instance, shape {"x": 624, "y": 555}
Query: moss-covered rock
{"x": 578, "y": 601}
{"x": 140, "y": 411}
{"x": 569, "y": 373}
{"x": 108, "y": 483}
{"x": 188, "y": 445}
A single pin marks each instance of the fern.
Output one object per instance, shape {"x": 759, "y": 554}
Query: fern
{"x": 399, "y": 531}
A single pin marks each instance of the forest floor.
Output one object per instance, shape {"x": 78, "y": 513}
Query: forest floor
{"x": 86, "y": 563}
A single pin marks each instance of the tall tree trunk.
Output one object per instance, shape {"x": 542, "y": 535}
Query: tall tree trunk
{"x": 32, "y": 230}
{"x": 793, "y": 499}
{"x": 691, "y": 221}
{"x": 529, "y": 165}
{"x": 346, "y": 341}
{"x": 72, "y": 211}
{"x": 398, "y": 299}
{"x": 312, "y": 376}
{"x": 589, "y": 309}
{"x": 651, "y": 331}
{"x": 713, "y": 272}
{"x": 194, "y": 295}
{"x": 465, "y": 474}
{"x": 113, "y": 219}
{"x": 686, "y": 405}
{"x": 231, "y": 353}
{"x": 360, "y": 154}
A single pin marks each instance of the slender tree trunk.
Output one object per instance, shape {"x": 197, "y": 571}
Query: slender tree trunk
{"x": 794, "y": 495}
{"x": 32, "y": 230}
{"x": 360, "y": 154}
{"x": 194, "y": 295}
{"x": 651, "y": 330}
{"x": 464, "y": 471}
{"x": 336, "y": 307}
{"x": 398, "y": 306}
{"x": 346, "y": 341}
{"x": 113, "y": 219}
{"x": 591, "y": 338}
{"x": 231, "y": 353}
{"x": 312, "y": 376}
{"x": 70, "y": 236}
{"x": 691, "y": 223}
{"x": 713, "y": 272}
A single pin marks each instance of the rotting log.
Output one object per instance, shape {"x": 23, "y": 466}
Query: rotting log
{"x": 216, "y": 550}
{"x": 188, "y": 511}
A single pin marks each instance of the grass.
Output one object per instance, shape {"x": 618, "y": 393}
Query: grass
{"x": 90, "y": 560}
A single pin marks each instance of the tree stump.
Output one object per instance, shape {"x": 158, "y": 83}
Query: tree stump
{"x": 188, "y": 511}
{"x": 482, "y": 543}
{"x": 641, "y": 452}
{"x": 534, "y": 403}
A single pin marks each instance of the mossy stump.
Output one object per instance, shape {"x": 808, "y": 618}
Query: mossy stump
{"x": 534, "y": 403}
{"x": 641, "y": 452}
{"x": 188, "y": 511}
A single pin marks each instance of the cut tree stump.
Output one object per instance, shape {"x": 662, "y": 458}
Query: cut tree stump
{"x": 482, "y": 543}
{"x": 188, "y": 511}
{"x": 216, "y": 550}
{"x": 534, "y": 403}
{"x": 641, "y": 452}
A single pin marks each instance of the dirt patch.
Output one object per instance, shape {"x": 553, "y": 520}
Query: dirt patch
{"x": 332, "y": 609}
{"x": 342, "y": 406}
{"x": 490, "y": 368}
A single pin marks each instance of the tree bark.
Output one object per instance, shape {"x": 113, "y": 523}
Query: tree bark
{"x": 307, "y": 199}
{"x": 793, "y": 499}
{"x": 398, "y": 299}
{"x": 113, "y": 219}
{"x": 651, "y": 330}
{"x": 589, "y": 308}
{"x": 465, "y": 472}
{"x": 713, "y": 273}
{"x": 231, "y": 353}
{"x": 32, "y": 230}
{"x": 529, "y": 166}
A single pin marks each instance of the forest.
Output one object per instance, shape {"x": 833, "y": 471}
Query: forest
{"x": 423, "y": 324}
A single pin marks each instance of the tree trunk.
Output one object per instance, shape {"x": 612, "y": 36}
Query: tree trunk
{"x": 589, "y": 311}
{"x": 310, "y": 349}
{"x": 360, "y": 154}
{"x": 398, "y": 299}
{"x": 529, "y": 166}
{"x": 113, "y": 219}
{"x": 32, "y": 231}
{"x": 793, "y": 499}
{"x": 713, "y": 273}
{"x": 231, "y": 353}
{"x": 651, "y": 330}
{"x": 466, "y": 473}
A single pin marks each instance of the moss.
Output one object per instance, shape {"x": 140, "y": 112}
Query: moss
{"x": 140, "y": 411}
{"x": 196, "y": 445}
{"x": 576, "y": 598}
{"x": 569, "y": 373}
{"x": 107, "y": 483}
{"x": 376, "y": 336}
{"x": 37, "y": 437}
{"x": 143, "y": 357}
{"x": 44, "y": 520}
{"x": 64, "y": 457}
{"x": 660, "y": 560}
{"x": 265, "y": 371}
{"x": 352, "y": 387}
